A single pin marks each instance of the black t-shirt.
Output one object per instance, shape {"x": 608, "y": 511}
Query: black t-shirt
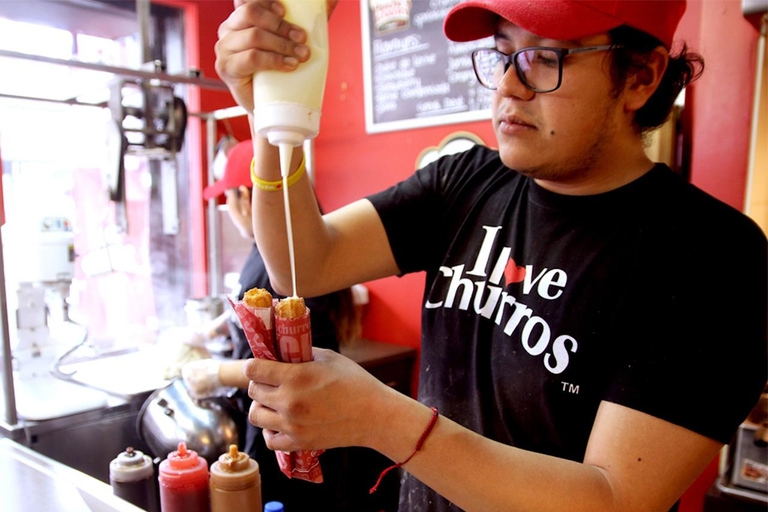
{"x": 538, "y": 306}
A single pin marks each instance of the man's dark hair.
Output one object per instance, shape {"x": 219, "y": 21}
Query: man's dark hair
{"x": 635, "y": 47}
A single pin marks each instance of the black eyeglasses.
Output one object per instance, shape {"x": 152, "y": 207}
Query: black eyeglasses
{"x": 539, "y": 68}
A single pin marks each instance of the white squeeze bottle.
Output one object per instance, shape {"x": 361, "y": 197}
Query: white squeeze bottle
{"x": 286, "y": 106}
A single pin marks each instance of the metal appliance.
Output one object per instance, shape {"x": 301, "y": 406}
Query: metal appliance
{"x": 745, "y": 472}
{"x": 40, "y": 258}
{"x": 170, "y": 416}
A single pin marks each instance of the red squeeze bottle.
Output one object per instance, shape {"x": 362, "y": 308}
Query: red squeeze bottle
{"x": 183, "y": 479}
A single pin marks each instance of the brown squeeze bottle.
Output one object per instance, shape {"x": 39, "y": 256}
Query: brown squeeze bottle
{"x": 235, "y": 483}
{"x": 183, "y": 478}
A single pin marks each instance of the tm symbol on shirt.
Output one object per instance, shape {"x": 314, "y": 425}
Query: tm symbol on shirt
{"x": 570, "y": 388}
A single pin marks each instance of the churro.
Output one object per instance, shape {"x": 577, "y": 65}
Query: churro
{"x": 257, "y": 298}
{"x": 290, "y": 307}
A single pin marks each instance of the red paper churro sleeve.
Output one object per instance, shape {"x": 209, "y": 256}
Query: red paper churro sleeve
{"x": 257, "y": 324}
{"x": 294, "y": 345}
{"x": 294, "y": 338}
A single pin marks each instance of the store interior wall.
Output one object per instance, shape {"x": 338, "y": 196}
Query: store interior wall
{"x": 721, "y": 107}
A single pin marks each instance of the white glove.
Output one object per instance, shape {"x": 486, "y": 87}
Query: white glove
{"x": 193, "y": 337}
{"x": 201, "y": 378}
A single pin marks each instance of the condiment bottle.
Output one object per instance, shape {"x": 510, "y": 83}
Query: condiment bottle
{"x": 132, "y": 477}
{"x": 183, "y": 478}
{"x": 235, "y": 483}
{"x": 287, "y": 105}
{"x": 273, "y": 506}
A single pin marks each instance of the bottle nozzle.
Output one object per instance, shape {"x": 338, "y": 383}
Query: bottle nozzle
{"x": 286, "y": 153}
{"x": 183, "y": 457}
{"x": 234, "y": 460}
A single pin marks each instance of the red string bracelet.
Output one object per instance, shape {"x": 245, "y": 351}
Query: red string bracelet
{"x": 419, "y": 444}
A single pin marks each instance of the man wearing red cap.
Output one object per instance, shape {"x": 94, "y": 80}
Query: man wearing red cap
{"x": 580, "y": 351}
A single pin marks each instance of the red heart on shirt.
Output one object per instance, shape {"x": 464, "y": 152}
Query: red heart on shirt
{"x": 513, "y": 273}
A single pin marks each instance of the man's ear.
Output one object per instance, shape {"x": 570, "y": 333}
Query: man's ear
{"x": 642, "y": 84}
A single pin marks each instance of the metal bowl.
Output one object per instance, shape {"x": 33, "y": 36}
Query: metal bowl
{"x": 170, "y": 415}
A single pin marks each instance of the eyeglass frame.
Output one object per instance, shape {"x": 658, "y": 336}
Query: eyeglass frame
{"x": 511, "y": 60}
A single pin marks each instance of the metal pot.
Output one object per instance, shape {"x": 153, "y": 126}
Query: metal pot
{"x": 170, "y": 416}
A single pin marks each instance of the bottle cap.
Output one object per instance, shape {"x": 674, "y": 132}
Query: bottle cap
{"x": 233, "y": 460}
{"x": 234, "y": 471}
{"x": 183, "y": 467}
{"x": 130, "y": 466}
{"x": 273, "y": 506}
{"x": 183, "y": 458}
{"x": 287, "y": 123}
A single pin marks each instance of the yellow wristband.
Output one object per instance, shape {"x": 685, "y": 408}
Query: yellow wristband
{"x": 271, "y": 186}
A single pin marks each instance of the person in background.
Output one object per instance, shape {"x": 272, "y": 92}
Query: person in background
{"x": 333, "y": 322}
{"x": 593, "y": 326}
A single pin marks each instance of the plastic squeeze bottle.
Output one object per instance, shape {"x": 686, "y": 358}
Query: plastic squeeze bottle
{"x": 235, "y": 483}
{"x": 132, "y": 478}
{"x": 287, "y": 105}
{"x": 183, "y": 478}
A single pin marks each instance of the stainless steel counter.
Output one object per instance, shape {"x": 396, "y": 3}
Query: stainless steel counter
{"x": 31, "y": 481}
{"x": 94, "y": 414}
{"x": 86, "y": 441}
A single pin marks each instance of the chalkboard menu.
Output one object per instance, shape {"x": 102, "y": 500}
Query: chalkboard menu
{"x": 414, "y": 75}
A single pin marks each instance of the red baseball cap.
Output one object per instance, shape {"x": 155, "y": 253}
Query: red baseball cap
{"x": 564, "y": 20}
{"x": 237, "y": 172}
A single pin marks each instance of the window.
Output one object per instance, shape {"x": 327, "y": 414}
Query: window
{"x": 126, "y": 284}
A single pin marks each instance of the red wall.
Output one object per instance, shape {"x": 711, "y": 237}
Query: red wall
{"x": 722, "y": 99}
{"x": 352, "y": 164}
